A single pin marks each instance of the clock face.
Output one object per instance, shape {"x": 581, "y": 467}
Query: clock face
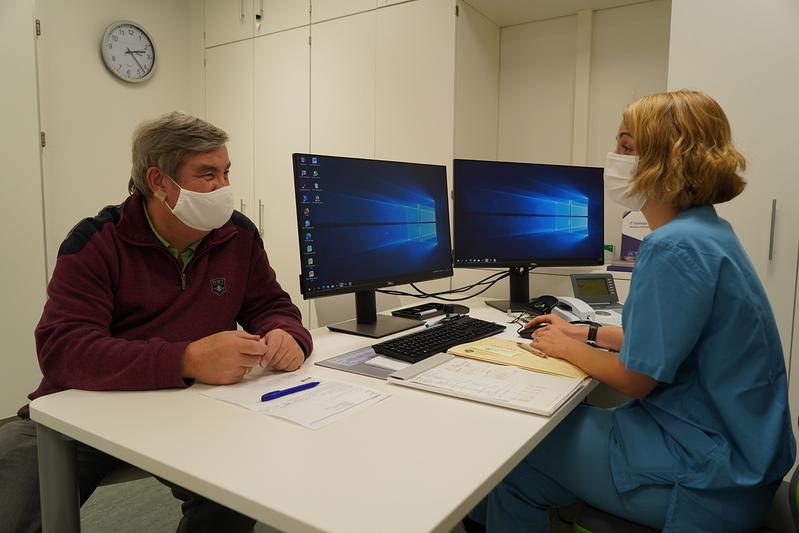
{"x": 128, "y": 51}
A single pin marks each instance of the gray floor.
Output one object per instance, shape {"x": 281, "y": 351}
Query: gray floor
{"x": 147, "y": 505}
{"x": 141, "y": 505}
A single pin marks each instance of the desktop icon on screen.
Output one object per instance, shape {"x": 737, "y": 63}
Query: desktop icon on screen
{"x": 307, "y": 223}
{"x": 309, "y": 248}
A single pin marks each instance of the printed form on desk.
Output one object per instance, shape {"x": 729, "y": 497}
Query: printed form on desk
{"x": 481, "y": 381}
{"x": 312, "y": 408}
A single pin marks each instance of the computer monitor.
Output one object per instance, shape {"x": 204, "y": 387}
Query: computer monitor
{"x": 523, "y": 215}
{"x": 365, "y": 224}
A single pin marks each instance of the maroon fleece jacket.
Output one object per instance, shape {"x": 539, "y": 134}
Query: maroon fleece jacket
{"x": 120, "y": 312}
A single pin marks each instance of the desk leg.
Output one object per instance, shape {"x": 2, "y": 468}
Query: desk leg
{"x": 58, "y": 482}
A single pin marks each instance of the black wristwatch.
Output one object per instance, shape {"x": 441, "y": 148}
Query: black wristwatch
{"x": 592, "y": 331}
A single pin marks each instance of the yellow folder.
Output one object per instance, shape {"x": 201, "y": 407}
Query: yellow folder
{"x": 506, "y": 352}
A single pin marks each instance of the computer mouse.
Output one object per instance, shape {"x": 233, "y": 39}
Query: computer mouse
{"x": 527, "y": 333}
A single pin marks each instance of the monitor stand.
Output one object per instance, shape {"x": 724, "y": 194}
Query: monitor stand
{"x": 519, "y": 292}
{"x": 368, "y": 323}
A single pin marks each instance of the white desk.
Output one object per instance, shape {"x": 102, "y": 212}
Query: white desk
{"x": 415, "y": 462}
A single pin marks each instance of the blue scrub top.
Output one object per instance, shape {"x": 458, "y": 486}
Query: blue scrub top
{"x": 698, "y": 321}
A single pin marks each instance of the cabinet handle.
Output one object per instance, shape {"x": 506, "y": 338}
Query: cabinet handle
{"x": 771, "y": 233}
{"x": 259, "y": 15}
{"x": 242, "y": 205}
{"x": 241, "y": 10}
{"x": 260, "y": 218}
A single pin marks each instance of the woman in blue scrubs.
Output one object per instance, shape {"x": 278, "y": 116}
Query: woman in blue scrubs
{"x": 707, "y": 438}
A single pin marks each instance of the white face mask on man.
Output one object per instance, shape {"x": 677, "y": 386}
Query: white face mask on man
{"x": 619, "y": 170}
{"x": 203, "y": 211}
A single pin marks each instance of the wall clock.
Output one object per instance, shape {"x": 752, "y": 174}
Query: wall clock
{"x": 128, "y": 51}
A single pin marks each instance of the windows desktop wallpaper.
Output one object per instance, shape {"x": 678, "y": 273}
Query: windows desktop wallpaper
{"x": 516, "y": 213}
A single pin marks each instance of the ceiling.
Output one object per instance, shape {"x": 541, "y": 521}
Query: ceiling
{"x": 509, "y": 12}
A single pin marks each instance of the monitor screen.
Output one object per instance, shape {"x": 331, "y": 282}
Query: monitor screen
{"x": 516, "y": 214}
{"x": 365, "y": 224}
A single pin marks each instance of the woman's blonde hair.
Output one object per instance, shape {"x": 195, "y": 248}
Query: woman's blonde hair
{"x": 684, "y": 142}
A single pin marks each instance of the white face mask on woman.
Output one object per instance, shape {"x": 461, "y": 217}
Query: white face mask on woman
{"x": 619, "y": 170}
{"x": 204, "y": 211}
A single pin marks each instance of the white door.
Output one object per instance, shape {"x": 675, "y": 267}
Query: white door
{"x": 343, "y": 86}
{"x": 23, "y": 266}
{"x": 757, "y": 88}
{"x": 277, "y": 15}
{"x": 229, "y": 105}
{"x": 227, "y": 21}
{"x": 282, "y": 86}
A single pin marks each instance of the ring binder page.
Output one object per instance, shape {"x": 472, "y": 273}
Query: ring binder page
{"x": 502, "y": 385}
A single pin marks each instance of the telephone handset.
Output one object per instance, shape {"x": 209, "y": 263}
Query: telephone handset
{"x": 571, "y": 309}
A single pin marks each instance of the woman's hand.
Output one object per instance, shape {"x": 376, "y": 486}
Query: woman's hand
{"x": 574, "y": 331}
{"x": 554, "y": 340}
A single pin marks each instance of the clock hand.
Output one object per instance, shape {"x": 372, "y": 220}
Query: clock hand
{"x": 136, "y": 60}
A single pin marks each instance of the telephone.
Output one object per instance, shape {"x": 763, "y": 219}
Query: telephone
{"x": 571, "y": 308}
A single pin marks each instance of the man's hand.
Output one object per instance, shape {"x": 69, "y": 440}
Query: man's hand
{"x": 282, "y": 351}
{"x": 222, "y": 358}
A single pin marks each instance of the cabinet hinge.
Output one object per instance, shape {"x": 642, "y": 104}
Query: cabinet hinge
{"x": 452, "y": 194}
{"x": 309, "y": 40}
{"x": 38, "y": 27}
{"x": 42, "y": 139}
{"x": 457, "y": 10}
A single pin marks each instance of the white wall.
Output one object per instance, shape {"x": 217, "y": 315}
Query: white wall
{"x": 22, "y": 268}
{"x": 89, "y": 115}
{"x": 540, "y": 76}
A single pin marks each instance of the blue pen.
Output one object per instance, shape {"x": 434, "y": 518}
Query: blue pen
{"x": 272, "y": 395}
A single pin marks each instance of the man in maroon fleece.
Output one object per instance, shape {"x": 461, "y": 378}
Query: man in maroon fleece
{"x": 147, "y": 295}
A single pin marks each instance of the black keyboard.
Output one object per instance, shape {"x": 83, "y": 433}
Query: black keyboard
{"x": 445, "y": 334}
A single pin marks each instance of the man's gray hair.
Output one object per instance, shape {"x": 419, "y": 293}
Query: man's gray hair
{"x": 165, "y": 141}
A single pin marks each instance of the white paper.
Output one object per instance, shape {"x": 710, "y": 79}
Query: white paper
{"x": 500, "y": 384}
{"x": 387, "y": 362}
{"x": 312, "y": 408}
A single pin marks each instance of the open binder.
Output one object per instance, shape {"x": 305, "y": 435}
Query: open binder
{"x": 503, "y": 385}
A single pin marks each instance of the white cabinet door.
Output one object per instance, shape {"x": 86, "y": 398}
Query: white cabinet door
{"x": 330, "y": 9}
{"x": 343, "y": 86}
{"x": 282, "y": 85}
{"x": 228, "y": 20}
{"x": 229, "y": 105}
{"x": 276, "y": 15}
{"x": 22, "y": 239}
{"x": 757, "y": 87}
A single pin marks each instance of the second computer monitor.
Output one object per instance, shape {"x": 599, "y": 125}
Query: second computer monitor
{"x": 522, "y": 215}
